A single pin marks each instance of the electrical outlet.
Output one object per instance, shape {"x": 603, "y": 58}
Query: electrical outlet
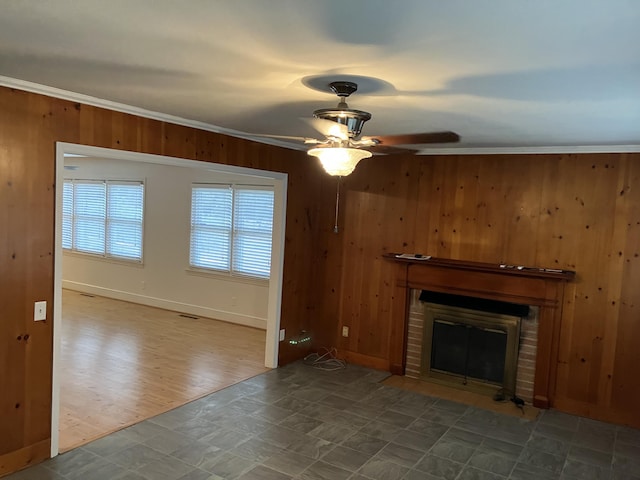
{"x": 345, "y": 331}
{"x": 282, "y": 332}
{"x": 40, "y": 311}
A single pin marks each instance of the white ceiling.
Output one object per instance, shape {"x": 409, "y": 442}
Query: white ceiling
{"x": 501, "y": 73}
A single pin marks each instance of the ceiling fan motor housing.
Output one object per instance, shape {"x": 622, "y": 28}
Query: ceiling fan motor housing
{"x": 352, "y": 119}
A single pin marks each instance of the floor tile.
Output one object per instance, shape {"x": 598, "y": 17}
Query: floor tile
{"x": 168, "y": 468}
{"x": 592, "y": 457}
{"x": 225, "y": 438}
{"x": 585, "y": 471}
{"x": 300, "y": 423}
{"x": 196, "y": 453}
{"x": 332, "y": 432}
{"x": 257, "y": 450}
{"x": 380, "y": 469}
{"x": 396, "y": 419}
{"x": 530, "y": 472}
{"x": 324, "y": 471}
{"x": 384, "y": 431}
{"x": 111, "y": 444}
{"x": 264, "y": 473}
{"x": 492, "y": 462}
{"x": 289, "y": 462}
{"x": 71, "y": 461}
{"x": 364, "y": 443}
{"x": 471, "y": 473}
{"x": 439, "y": 467}
{"x": 544, "y": 460}
{"x": 415, "y": 440}
{"x": 453, "y": 451}
{"x": 312, "y": 447}
{"x": 400, "y": 454}
{"x": 168, "y": 442}
{"x": 229, "y": 466}
{"x": 346, "y": 458}
{"x": 441, "y": 417}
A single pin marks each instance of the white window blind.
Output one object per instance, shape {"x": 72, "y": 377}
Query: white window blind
{"x": 89, "y": 217}
{"x": 231, "y": 229}
{"x": 102, "y": 217}
{"x": 211, "y": 210}
{"x": 124, "y": 220}
{"x": 252, "y": 229}
{"x": 67, "y": 215}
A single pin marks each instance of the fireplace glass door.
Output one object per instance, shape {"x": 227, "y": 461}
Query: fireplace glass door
{"x": 472, "y": 352}
{"x": 470, "y": 348}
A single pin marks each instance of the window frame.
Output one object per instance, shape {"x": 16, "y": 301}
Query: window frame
{"x": 231, "y": 271}
{"x": 107, "y": 221}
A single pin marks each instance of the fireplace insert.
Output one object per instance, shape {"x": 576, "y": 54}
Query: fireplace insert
{"x": 475, "y": 349}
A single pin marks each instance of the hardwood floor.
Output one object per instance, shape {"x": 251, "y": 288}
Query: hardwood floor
{"x": 122, "y": 363}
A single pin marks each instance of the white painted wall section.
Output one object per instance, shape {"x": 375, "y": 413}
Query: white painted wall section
{"x": 164, "y": 279}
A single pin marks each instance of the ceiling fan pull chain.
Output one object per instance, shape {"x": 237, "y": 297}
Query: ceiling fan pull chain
{"x": 335, "y": 226}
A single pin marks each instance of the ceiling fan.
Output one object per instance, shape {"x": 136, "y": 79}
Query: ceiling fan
{"x": 344, "y": 146}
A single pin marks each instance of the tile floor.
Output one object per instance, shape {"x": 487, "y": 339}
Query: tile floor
{"x": 302, "y": 423}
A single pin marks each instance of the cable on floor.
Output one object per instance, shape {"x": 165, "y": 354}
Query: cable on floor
{"x": 325, "y": 361}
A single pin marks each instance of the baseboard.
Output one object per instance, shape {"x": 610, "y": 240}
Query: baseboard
{"x": 25, "y": 457}
{"x": 197, "y": 310}
{"x": 365, "y": 360}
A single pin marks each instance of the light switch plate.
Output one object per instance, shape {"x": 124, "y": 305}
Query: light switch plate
{"x": 40, "y": 311}
{"x": 282, "y": 331}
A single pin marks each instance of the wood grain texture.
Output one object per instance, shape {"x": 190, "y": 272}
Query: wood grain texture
{"x": 579, "y": 212}
{"x": 30, "y": 126}
{"x": 576, "y": 212}
{"x": 122, "y": 363}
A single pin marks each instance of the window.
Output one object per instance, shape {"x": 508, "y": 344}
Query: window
{"x": 103, "y": 217}
{"x": 231, "y": 229}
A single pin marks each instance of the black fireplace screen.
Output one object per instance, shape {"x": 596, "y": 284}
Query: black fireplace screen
{"x": 469, "y": 351}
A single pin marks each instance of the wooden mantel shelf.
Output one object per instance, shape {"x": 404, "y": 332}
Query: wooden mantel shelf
{"x": 515, "y": 270}
{"x": 541, "y": 287}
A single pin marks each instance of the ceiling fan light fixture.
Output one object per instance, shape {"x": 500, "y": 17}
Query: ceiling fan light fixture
{"x": 339, "y": 161}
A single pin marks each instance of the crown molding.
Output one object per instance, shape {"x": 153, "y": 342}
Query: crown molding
{"x": 164, "y": 117}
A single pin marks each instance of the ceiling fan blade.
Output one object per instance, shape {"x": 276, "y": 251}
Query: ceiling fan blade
{"x": 416, "y": 138}
{"x": 306, "y": 140}
{"x": 329, "y": 128}
{"x": 389, "y": 150}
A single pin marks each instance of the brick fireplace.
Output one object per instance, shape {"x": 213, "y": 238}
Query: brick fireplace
{"x": 526, "y": 357}
{"x": 540, "y": 288}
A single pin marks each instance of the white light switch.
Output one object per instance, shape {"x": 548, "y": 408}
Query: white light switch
{"x": 281, "y": 334}
{"x": 40, "y": 311}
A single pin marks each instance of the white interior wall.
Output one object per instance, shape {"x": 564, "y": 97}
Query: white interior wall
{"x": 164, "y": 279}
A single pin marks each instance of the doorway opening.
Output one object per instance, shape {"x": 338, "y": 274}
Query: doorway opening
{"x": 273, "y": 291}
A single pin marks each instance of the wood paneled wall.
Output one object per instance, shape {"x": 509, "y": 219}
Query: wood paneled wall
{"x": 576, "y": 212}
{"x": 580, "y": 212}
{"x": 30, "y": 125}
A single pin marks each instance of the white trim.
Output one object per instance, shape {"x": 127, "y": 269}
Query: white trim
{"x": 178, "y": 307}
{"x": 530, "y": 150}
{"x": 164, "y": 117}
{"x": 277, "y": 257}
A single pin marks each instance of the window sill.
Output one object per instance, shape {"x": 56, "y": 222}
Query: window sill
{"x": 198, "y": 272}
{"x": 99, "y": 258}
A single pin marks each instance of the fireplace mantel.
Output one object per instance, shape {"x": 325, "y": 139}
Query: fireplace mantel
{"x": 542, "y": 287}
